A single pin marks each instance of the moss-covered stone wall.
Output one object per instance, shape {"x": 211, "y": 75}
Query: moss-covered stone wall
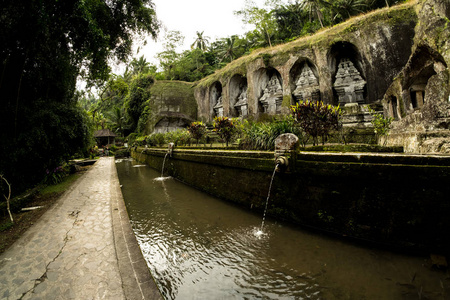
{"x": 172, "y": 105}
{"x": 395, "y": 200}
{"x": 418, "y": 98}
{"x": 379, "y": 44}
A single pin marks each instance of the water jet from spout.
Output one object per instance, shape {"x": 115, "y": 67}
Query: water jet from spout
{"x": 260, "y": 232}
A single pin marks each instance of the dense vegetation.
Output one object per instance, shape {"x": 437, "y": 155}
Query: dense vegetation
{"x": 121, "y": 105}
{"x": 275, "y": 23}
{"x": 45, "y": 45}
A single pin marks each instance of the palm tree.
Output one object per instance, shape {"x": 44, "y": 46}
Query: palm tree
{"x": 201, "y": 42}
{"x": 314, "y": 8}
{"x": 228, "y": 49}
{"x": 344, "y": 9}
{"x": 140, "y": 66}
{"x": 117, "y": 120}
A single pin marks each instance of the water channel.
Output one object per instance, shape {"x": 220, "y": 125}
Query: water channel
{"x": 200, "y": 247}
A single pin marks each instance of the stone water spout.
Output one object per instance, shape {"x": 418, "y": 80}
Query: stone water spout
{"x": 170, "y": 149}
{"x": 168, "y": 153}
{"x": 285, "y": 150}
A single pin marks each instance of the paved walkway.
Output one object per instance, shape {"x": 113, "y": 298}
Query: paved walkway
{"x": 81, "y": 248}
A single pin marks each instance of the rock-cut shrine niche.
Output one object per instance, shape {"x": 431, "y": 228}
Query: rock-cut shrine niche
{"x": 349, "y": 84}
{"x": 241, "y": 104}
{"x": 238, "y": 96}
{"x": 347, "y": 71}
{"x": 306, "y": 85}
{"x": 216, "y": 100}
{"x": 168, "y": 124}
{"x": 419, "y": 83}
{"x": 423, "y": 65}
{"x": 272, "y": 96}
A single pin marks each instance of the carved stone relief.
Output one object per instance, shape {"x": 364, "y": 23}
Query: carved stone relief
{"x": 169, "y": 124}
{"x": 272, "y": 96}
{"x": 241, "y": 103}
{"x": 218, "y": 108}
{"x": 307, "y": 86}
{"x": 349, "y": 84}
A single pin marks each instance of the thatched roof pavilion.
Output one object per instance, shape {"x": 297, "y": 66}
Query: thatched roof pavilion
{"x": 104, "y": 137}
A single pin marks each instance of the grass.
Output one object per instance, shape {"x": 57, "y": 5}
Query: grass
{"x": 62, "y": 186}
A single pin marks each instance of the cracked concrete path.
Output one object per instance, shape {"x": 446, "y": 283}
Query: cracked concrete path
{"x": 70, "y": 253}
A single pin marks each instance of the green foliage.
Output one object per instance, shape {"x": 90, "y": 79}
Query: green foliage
{"x": 5, "y": 226}
{"x": 139, "y": 94}
{"x": 380, "y": 124}
{"x": 197, "y": 130}
{"x": 61, "y": 186}
{"x": 225, "y": 128}
{"x": 179, "y": 137}
{"x": 191, "y": 66}
{"x": 316, "y": 118}
{"x": 56, "y": 175}
{"x": 131, "y": 138}
{"x": 261, "y": 18}
{"x": 141, "y": 66}
{"x": 40, "y": 121}
{"x": 324, "y": 216}
{"x": 262, "y": 135}
{"x": 140, "y": 141}
{"x": 169, "y": 56}
{"x": 201, "y": 42}
{"x": 143, "y": 119}
{"x": 156, "y": 139}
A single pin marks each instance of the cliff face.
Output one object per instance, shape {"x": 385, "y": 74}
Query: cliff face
{"x": 171, "y": 106}
{"x": 397, "y": 57}
{"x": 351, "y": 63}
{"x": 418, "y": 99}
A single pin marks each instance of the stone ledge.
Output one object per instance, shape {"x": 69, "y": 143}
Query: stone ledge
{"x": 137, "y": 281}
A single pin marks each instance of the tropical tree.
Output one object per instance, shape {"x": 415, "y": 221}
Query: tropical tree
{"x": 344, "y": 9}
{"x": 227, "y": 49}
{"x": 117, "y": 120}
{"x": 261, "y": 18}
{"x": 135, "y": 101}
{"x": 41, "y": 122}
{"x": 141, "y": 65}
{"x": 201, "y": 42}
{"x": 168, "y": 57}
{"x": 314, "y": 7}
{"x": 290, "y": 21}
{"x": 192, "y": 65}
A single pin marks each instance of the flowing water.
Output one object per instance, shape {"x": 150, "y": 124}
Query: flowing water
{"x": 199, "y": 247}
{"x": 260, "y": 232}
{"x": 164, "y": 162}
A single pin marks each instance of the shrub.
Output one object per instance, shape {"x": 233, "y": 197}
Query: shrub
{"x": 156, "y": 139}
{"x": 225, "y": 128}
{"x": 140, "y": 141}
{"x": 380, "y": 124}
{"x": 56, "y": 175}
{"x": 316, "y": 118}
{"x": 178, "y": 137}
{"x": 262, "y": 135}
{"x": 197, "y": 130}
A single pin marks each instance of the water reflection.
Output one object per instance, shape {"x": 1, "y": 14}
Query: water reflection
{"x": 199, "y": 247}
